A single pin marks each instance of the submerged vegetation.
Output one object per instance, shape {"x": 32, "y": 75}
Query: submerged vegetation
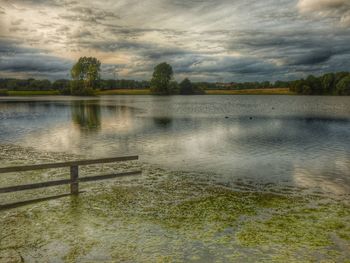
{"x": 166, "y": 216}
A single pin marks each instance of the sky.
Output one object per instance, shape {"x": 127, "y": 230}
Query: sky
{"x": 204, "y": 40}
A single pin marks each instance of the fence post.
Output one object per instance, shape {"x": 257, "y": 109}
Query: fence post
{"x": 74, "y": 177}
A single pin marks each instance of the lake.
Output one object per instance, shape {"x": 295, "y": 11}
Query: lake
{"x": 303, "y": 140}
{"x": 225, "y": 179}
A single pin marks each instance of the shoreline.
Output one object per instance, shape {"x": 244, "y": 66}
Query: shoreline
{"x": 272, "y": 91}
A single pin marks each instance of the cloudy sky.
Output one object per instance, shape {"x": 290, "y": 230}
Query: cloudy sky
{"x": 222, "y": 40}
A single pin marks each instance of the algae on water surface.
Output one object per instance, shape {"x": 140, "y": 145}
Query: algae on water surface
{"x": 167, "y": 216}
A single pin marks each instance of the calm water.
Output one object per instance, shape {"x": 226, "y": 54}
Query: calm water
{"x": 303, "y": 141}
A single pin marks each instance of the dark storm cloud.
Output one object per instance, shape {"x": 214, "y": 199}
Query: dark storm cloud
{"x": 147, "y": 50}
{"x": 213, "y": 67}
{"x": 293, "y": 48}
{"x": 11, "y": 48}
{"x": 234, "y": 65}
{"x": 311, "y": 58}
{"x": 30, "y": 61}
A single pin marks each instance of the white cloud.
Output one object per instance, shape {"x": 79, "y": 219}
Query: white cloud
{"x": 337, "y": 9}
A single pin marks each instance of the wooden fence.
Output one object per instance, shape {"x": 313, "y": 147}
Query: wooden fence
{"x": 74, "y": 174}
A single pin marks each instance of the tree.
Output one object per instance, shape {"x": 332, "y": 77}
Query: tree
{"x": 328, "y": 83}
{"x": 160, "y": 82}
{"x": 35, "y": 84}
{"x": 77, "y": 88}
{"x": 17, "y": 84}
{"x": 186, "y": 87}
{"x": 173, "y": 87}
{"x": 343, "y": 86}
{"x": 339, "y": 76}
{"x": 314, "y": 85}
{"x": 85, "y": 73}
{"x": 307, "y": 90}
{"x": 62, "y": 85}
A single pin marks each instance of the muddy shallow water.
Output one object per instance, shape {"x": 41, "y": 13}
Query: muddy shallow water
{"x": 225, "y": 179}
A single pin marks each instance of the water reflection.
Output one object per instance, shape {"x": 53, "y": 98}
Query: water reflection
{"x": 86, "y": 115}
{"x": 162, "y": 122}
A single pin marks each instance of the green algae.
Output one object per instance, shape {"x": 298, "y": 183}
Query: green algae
{"x": 167, "y": 216}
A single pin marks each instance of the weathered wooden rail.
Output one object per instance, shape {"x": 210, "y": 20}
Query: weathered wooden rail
{"x": 74, "y": 174}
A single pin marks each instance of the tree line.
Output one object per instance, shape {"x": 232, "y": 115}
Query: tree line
{"x": 328, "y": 84}
{"x": 64, "y": 85}
{"x": 162, "y": 82}
{"x": 85, "y": 80}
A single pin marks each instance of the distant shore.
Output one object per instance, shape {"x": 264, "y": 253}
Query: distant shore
{"x": 272, "y": 91}
{"x": 32, "y": 92}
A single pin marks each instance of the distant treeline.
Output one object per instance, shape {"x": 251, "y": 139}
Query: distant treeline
{"x": 244, "y": 85}
{"x": 63, "y": 85}
{"x": 328, "y": 84}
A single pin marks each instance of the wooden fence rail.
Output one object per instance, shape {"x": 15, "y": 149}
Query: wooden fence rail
{"x": 74, "y": 174}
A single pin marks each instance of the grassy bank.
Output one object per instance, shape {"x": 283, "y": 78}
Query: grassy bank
{"x": 277, "y": 91}
{"x": 32, "y": 92}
